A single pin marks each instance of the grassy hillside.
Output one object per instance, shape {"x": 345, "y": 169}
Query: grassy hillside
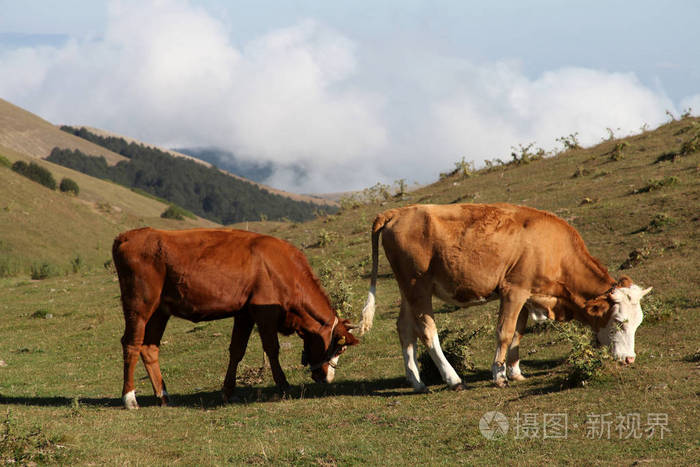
{"x": 41, "y": 226}
{"x": 59, "y": 388}
{"x": 33, "y": 136}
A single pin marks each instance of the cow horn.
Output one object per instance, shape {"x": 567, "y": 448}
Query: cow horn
{"x": 350, "y": 326}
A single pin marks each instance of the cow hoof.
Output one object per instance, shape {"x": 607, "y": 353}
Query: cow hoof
{"x": 501, "y": 383}
{"x": 458, "y": 387}
{"x": 517, "y": 377}
{"x": 422, "y": 389}
{"x": 129, "y": 400}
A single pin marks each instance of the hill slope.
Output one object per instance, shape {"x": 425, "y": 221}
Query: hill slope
{"x": 44, "y": 226}
{"x": 29, "y": 134}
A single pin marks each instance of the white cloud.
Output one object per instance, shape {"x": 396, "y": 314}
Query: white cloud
{"x": 169, "y": 73}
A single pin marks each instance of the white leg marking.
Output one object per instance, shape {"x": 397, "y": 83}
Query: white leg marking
{"x": 412, "y": 375}
{"x": 449, "y": 375}
{"x": 129, "y": 400}
{"x": 499, "y": 373}
{"x": 514, "y": 372}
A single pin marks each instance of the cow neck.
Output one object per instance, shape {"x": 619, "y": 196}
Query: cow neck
{"x": 314, "y": 321}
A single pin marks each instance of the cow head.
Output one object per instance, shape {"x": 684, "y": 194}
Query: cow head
{"x": 322, "y": 350}
{"x": 621, "y": 315}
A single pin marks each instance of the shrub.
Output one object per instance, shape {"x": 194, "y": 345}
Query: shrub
{"x": 4, "y": 161}
{"x": 658, "y": 183}
{"x": 76, "y": 263}
{"x": 464, "y": 168}
{"x": 581, "y": 172}
{"x": 334, "y": 279}
{"x": 68, "y": 185}
{"x": 176, "y": 212}
{"x": 690, "y": 146}
{"x": 616, "y": 153}
{"x": 43, "y": 270}
{"x": 35, "y": 172}
{"x": 455, "y": 347}
{"x": 570, "y": 142}
{"x": 325, "y": 238}
{"x": 42, "y": 314}
{"x": 658, "y": 223}
{"x": 525, "y": 155}
{"x": 635, "y": 257}
{"x": 585, "y": 361}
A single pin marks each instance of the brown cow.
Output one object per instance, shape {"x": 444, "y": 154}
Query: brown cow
{"x": 208, "y": 274}
{"x": 467, "y": 254}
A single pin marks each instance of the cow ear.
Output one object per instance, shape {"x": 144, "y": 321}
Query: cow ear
{"x": 597, "y": 307}
{"x": 624, "y": 281}
{"x": 350, "y": 339}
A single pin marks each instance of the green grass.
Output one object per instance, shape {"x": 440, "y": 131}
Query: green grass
{"x": 60, "y": 388}
{"x": 43, "y": 227}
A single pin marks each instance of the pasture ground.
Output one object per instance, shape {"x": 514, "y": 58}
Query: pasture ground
{"x": 61, "y": 378}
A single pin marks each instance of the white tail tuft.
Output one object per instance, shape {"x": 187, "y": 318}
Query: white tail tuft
{"x": 368, "y": 313}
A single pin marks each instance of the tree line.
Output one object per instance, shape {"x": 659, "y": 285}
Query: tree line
{"x": 205, "y": 191}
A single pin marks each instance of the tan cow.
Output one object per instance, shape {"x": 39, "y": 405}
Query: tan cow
{"x": 467, "y": 254}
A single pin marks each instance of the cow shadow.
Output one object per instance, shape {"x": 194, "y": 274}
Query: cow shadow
{"x": 381, "y": 388}
{"x": 391, "y": 387}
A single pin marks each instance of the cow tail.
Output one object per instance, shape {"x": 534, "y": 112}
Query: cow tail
{"x": 368, "y": 311}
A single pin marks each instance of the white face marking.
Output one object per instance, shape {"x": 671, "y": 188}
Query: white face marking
{"x": 330, "y": 374}
{"x": 625, "y": 318}
{"x": 537, "y": 314}
{"x": 129, "y": 400}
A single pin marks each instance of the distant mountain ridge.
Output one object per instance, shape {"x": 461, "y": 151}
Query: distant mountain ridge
{"x": 226, "y": 160}
{"x": 198, "y": 187}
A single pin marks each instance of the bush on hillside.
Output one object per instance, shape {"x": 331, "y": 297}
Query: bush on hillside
{"x": 177, "y": 213}
{"x": 455, "y": 347}
{"x": 35, "y": 172}
{"x": 43, "y": 270}
{"x": 5, "y": 162}
{"x": 69, "y": 185}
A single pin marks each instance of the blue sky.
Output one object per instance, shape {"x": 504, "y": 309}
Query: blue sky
{"x": 356, "y": 92}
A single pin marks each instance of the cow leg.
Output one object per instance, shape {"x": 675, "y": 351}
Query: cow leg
{"x": 131, "y": 347}
{"x": 271, "y": 345}
{"x": 427, "y": 331}
{"x": 512, "y": 302}
{"x": 408, "y": 337}
{"x": 513, "y": 360}
{"x": 242, "y": 327}
{"x": 150, "y": 350}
